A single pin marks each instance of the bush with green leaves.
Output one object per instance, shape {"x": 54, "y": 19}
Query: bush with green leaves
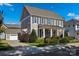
{"x": 33, "y": 36}
{"x": 55, "y": 40}
{"x": 1, "y": 31}
{"x": 40, "y": 40}
{"x": 23, "y": 37}
{"x": 70, "y": 38}
{"x": 64, "y": 40}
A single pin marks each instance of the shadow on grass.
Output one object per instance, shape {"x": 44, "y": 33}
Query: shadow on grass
{"x": 5, "y": 46}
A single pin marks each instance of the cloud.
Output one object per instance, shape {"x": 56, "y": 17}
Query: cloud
{"x": 77, "y": 17}
{"x": 6, "y": 4}
{"x": 71, "y": 14}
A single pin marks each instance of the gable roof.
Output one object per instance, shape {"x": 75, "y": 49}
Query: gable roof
{"x": 73, "y": 21}
{"x": 13, "y": 26}
{"x": 42, "y": 13}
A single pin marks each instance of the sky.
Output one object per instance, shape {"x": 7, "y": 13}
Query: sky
{"x": 12, "y": 12}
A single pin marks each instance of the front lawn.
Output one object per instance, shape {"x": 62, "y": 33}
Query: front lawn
{"x": 5, "y": 46}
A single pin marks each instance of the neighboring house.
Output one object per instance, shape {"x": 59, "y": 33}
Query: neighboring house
{"x": 2, "y": 31}
{"x": 72, "y": 28}
{"x": 46, "y": 23}
{"x": 11, "y": 32}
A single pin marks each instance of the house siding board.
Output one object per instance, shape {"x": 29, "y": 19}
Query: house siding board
{"x": 24, "y": 13}
{"x": 2, "y": 35}
{"x": 26, "y": 24}
{"x": 25, "y": 20}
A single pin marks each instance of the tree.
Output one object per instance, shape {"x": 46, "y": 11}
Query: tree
{"x": 1, "y": 18}
{"x": 1, "y": 31}
{"x": 33, "y": 36}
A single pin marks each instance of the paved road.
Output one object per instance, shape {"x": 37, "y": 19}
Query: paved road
{"x": 42, "y": 51}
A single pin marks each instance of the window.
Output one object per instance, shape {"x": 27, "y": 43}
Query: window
{"x": 77, "y": 33}
{"x": 57, "y": 23}
{"x": 73, "y": 25}
{"x": 60, "y": 23}
{"x": 34, "y": 19}
{"x": 49, "y": 21}
{"x": 38, "y": 20}
{"x": 77, "y": 25}
{"x": 54, "y": 22}
{"x": 68, "y": 25}
{"x": 45, "y": 20}
{"x": 42, "y": 20}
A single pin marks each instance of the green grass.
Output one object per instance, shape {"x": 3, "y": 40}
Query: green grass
{"x": 5, "y": 46}
{"x": 74, "y": 41}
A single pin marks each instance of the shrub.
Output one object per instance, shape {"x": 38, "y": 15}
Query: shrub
{"x": 55, "y": 40}
{"x": 1, "y": 31}
{"x": 41, "y": 45}
{"x": 39, "y": 40}
{"x": 64, "y": 40}
{"x": 33, "y": 36}
{"x": 23, "y": 37}
{"x": 70, "y": 38}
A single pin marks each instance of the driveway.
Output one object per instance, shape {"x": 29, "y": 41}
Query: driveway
{"x": 14, "y": 43}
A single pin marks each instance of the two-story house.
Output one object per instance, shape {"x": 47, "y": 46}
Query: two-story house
{"x": 46, "y": 23}
{"x": 72, "y": 28}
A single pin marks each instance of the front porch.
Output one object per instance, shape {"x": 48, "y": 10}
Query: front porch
{"x": 49, "y": 31}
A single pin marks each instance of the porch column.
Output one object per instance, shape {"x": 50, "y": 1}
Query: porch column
{"x": 43, "y": 33}
{"x": 57, "y": 32}
{"x": 63, "y": 33}
{"x": 50, "y": 32}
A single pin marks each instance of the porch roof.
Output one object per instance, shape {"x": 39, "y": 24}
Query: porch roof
{"x": 49, "y": 27}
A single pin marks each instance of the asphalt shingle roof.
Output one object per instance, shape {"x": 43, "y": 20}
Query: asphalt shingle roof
{"x": 13, "y": 26}
{"x": 42, "y": 13}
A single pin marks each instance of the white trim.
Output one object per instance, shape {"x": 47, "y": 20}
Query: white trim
{"x": 43, "y": 33}
{"x": 30, "y": 23}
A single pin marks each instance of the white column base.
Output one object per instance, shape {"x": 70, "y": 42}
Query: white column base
{"x": 51, "y": 33}
{"x": 43, "y": 33}
{"x": 63, "y": 33}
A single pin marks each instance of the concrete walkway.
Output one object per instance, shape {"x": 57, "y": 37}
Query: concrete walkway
{"x": 73, "y": 44}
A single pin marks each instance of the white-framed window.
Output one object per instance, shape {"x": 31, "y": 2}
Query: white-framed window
{"x": 50, "y": 22}
{"x": 38, "y": 20}
{"x": 54, "y": 22}
{"x": 57, "y": 22}
{"x": 60, "y": 23}
{"x": 34, "y": 19}
{"x": 46, "y": 21}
